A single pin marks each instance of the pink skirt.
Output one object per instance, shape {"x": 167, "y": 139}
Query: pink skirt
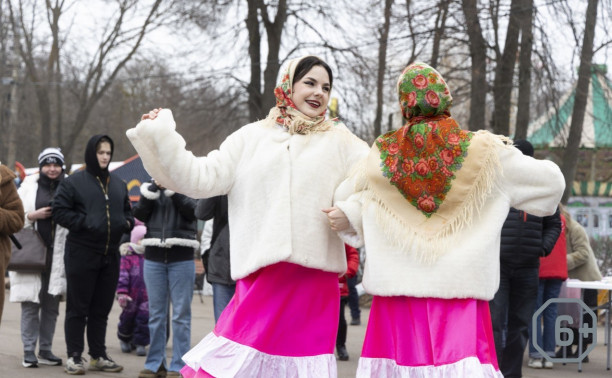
{"x": 281, "y": 322}
{"x": 428, "y": 337}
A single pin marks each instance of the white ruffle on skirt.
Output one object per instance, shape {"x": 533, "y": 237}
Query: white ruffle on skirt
{"x": 222, "y": 357}
{"x": 388, "y": 368}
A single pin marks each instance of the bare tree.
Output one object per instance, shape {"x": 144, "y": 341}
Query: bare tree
{"x": 87, "y": 83}
{"x": 570, "y": 157}
{"x": 274, "y": 32}
{"x": 439, "y": 31}
{"x": 504, "y": 72}
{"x": 478, "y": 54}
{"x": 382, "y": 65}
{"x": 524, "y": 94}
{"x": 9, "y": 65}
{"x": 254, "y": 86}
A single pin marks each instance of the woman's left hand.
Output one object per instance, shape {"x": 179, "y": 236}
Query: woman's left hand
{"x": 337, "y": 219}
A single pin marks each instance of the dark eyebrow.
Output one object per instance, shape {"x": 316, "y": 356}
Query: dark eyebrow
{"x": 315, "y": 80}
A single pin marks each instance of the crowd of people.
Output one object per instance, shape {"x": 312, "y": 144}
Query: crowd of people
{"x": 456, "y": 228}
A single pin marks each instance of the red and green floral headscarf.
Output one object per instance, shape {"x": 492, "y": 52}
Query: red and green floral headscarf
{"x": 286, "y": 113}
{"x": 423, "y": 156}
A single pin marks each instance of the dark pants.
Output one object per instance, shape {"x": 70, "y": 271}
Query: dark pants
{"x": 341, "y": 337}
{"x": 589, "y": 297}
{"x": 511, "y": 312}
{"x": 133, "y": 327}
{"x": 92, "y": 281}
{"x": 353, "y": 298}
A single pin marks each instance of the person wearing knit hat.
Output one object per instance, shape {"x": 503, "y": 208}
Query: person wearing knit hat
{"x": 51, "y": 155}
{"x": 39, "y": 293}
{"x": 429, "y": 202}
{"x": 133, "y": 327}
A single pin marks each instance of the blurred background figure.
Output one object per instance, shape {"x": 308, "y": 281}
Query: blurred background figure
{"x": 216, "y": 258}
{"x": 11, "y": 221}
{"x": 94, "y": 206}
{"x": 353, "y": 300}
{"x": 169, "y": 273}
{"x": 40, "y": 293}
{"x": 133, "y": 327}
{"x": 525, "y": 238}
{"x": 581, "y": 265}
{"x": 352, "y": 263}
{"x": 553, "y": 271}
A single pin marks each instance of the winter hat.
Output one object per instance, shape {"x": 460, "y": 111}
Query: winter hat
{"x": 524, "y": 146}
{"x": 138, "y": 234}
{"x": 51, "y": 155}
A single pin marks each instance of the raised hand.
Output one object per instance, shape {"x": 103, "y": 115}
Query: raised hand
{"x": 151, "y": 115}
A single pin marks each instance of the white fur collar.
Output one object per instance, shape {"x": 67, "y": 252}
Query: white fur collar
{"x": 148, "y": 194}
{"x": 125, "y": 249}
{"x": 170, "y": 242}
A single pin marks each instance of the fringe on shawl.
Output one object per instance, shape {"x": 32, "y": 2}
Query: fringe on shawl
{"x": 429, "y": 248}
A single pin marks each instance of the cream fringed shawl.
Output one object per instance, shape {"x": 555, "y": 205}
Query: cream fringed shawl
{"x": 296, "y": 122}
{"x": 405, "y": 226}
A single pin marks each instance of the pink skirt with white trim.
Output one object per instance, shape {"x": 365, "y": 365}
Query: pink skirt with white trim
{"x": 428, "y": 337}
{"x": 281, "y": 322}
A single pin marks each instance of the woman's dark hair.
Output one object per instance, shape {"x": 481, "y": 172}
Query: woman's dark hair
{"x": 306, "y": 65}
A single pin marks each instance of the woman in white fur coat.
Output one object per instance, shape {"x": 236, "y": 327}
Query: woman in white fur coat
{"x": 430, "y": 201}
{"x": 40, "y": 293}
{"x": 280, "y": 175}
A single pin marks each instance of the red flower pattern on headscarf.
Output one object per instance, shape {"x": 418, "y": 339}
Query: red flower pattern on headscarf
{"x": 421, "y": 158}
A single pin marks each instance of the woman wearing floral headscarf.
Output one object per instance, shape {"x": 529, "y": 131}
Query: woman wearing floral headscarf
{"x": 430, "y": 202}
{"x": 279, "y": 174}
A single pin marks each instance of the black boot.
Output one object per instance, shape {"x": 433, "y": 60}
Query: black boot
{"x": 568, "y": 352}
{"x": 342, "y": 353}
{"x": 584, "y": 348}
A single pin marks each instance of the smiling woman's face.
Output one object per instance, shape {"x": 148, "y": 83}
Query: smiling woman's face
{"x": 311, "y": 92}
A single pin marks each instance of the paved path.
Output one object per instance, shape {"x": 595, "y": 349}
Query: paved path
{"x": 11, "y": 348}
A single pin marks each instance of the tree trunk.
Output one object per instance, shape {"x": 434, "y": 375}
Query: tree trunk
{"x": 54, "y": 72}
{"x": 439, "y": 32}
{"x": 524, "y": 95}
{"x": 11, "y": 134}
{"x": 478, "y": 54}
{"x": 274, "y": 32}
{"x": 382, "y": 66}
{"x": 504, "y": 73}
{"x": 570, "y": 158}
{"x": 254, "y": 87}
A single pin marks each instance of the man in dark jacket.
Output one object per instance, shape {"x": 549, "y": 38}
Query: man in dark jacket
{"x": 169, "y": 273}
{"x": 94, "y": 206}
{"x": 524, "y": 239}
{"x": 217, "y": 258}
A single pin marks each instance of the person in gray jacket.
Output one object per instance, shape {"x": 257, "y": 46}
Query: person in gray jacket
{"x": 581, "y": 265}
{"x": 216, "y": 259}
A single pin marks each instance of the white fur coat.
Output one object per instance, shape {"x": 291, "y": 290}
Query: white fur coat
{"x": 276, "y": 184}
{"x": 469, "y": 265}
